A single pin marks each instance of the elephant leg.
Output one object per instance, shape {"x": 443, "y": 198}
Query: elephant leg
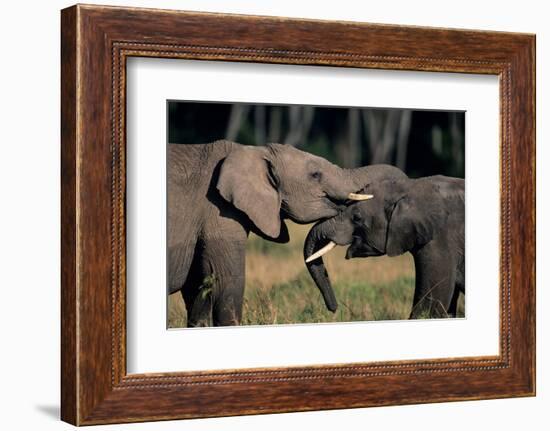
{"x": 224, "y": 267}
{"x": 200, "y": 313}
{"x": 214, "y": 288}
{"x": 435, "y": 283}
{"x": 228, "y": 307}
{"x": 197, "y": 297}
{"x": 432, "y": 301}
{"x": 454, "y": 302}
{"x": 180, "y": 261}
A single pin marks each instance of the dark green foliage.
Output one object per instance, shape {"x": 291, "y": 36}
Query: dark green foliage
{"x": 434, "y": 143}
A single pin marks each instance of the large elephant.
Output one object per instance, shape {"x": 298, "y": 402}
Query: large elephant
{"x": 423, "y": 216}
{"x": 218, "y": 193}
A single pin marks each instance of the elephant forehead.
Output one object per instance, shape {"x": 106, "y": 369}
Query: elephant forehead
{"x": 288, "y": 153}
{"x": 304, "y": 162}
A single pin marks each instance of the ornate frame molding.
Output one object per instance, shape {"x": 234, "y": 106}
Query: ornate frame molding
{"x": 96, "y": 41}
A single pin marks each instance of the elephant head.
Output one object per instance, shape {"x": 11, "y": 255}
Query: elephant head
{"x": 402, "y": 216}
{"x": 278, "y": 181}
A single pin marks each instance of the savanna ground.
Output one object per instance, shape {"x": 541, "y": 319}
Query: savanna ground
{"x": 279, "y": 289}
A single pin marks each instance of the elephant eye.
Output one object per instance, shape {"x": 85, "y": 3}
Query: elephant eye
{"x": 316, "y": 175}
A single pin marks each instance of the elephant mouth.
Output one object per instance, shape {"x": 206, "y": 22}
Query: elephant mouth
{"x": 358, "y": 248}
{"x": 333, "y": 203}
{"x": 326, "y": 212}
{"x": 325, "y": 207}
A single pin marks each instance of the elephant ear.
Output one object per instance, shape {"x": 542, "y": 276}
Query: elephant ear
{"x": 247, "y": 181}
{"x": 409, "y": 225}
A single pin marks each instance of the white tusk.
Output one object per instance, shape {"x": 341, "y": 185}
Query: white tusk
{"x": 321, "y": 251}
{"x": 359, "y": 197}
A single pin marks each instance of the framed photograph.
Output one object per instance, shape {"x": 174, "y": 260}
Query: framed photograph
{"x": 318, "y": 215}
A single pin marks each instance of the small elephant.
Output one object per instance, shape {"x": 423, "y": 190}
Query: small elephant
{"x": 221, "y": 191}
{"x": 422, "y": 216}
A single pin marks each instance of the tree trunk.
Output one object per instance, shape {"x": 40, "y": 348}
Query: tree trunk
{"x": 259, "y": 124}
{"x": 403, "y": 139}
{"x": 236, "y": 118}
{"x": 354, "y": 144}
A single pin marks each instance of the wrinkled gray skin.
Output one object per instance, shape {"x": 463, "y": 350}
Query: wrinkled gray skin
{"x": 423, "y": 216}
{"x": 218, "y": 193}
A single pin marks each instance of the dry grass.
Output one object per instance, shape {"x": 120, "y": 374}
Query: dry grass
{"x": 279, "y": 289}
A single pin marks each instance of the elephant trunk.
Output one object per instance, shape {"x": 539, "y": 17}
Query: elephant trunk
{"x": 339, "y": 229}
{"x": 365, "y": 175}
{"x": 316, "y": 238}
{"x": 344, "y": 185}
{"x": 358, "y": 176}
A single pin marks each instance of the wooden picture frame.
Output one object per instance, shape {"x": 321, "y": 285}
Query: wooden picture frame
{"x": 95, "y": 43}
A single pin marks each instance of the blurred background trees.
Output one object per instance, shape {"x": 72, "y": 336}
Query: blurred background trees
{"x": 420, "y": 142}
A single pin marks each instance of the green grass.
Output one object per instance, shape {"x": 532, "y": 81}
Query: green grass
{"x": 279, "y": 289}
{"x": 299, "y": 301}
